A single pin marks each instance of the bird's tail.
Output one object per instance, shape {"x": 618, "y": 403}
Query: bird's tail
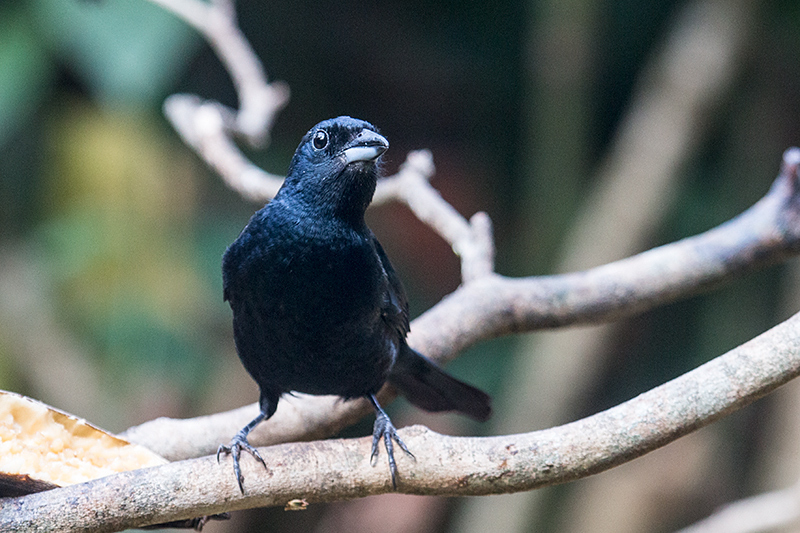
{"x": 429, "y": 387}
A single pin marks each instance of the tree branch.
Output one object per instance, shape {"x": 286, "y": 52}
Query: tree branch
{"x": 259, "y": 102}
{"x": 495, "y": 305}
{"x": 340, "y": 468}
{"x": 208, "y": 128}
{"x": 471, "y": 240}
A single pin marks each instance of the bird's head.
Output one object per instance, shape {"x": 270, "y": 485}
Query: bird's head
{"x": 334, "y": 169}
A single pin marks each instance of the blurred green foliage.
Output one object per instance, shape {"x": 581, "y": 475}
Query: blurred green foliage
{"x": 119, "y": 236}
{"x": 126, "y": 52}
{"x": 27, "y": 70}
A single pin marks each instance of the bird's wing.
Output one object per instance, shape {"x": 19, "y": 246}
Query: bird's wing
{"x": 395, "y": 305}
{"x": 231, "y": 264}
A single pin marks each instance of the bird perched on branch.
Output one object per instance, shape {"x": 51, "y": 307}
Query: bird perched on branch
{"x": 317, "y": 306}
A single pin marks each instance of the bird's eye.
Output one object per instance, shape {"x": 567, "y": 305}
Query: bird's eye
{"x": 320, "y": 140}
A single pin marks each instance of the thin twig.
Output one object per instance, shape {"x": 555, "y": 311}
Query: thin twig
{"x": 201, "y": 124}
{"x": 471, "y": 240}
{"x": 259, "y": 101}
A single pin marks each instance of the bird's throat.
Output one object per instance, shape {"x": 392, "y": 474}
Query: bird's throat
{"x": 357, "y": 186}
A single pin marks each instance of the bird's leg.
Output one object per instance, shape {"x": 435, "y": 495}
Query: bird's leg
{"x": 383, "y": 428}
{"x": 239, "y": 443}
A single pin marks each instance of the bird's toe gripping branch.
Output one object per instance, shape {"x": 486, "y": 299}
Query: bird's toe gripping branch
{"x": 234, "y": 449}
{"x": 384, "y": 428}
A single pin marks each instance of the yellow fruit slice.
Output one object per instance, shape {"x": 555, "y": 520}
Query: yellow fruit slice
{"x": 42, "y": 447}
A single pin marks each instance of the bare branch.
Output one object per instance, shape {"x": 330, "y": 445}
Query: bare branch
{"x": 494, "y": 305}
{"x": 472, "y": 241}
{"x": 340, "y": 469}
{"x": 202, "y": 126}
{"x": 259, "y": 102}
{"x": 208, "y": 128}
{"x": 766, "y": 233}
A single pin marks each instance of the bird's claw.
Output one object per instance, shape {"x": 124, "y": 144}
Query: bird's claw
{"x": 384, "y": 428}
{"x": 234, "y": 449}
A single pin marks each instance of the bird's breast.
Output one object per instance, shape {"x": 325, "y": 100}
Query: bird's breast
{"x": 307, "y": 299}
{"x": 324, "y": 278}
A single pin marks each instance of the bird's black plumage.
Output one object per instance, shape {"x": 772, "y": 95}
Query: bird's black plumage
{"x": 317, "y": 306}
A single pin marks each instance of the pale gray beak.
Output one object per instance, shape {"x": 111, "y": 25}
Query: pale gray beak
{"x": 368, "y": 146}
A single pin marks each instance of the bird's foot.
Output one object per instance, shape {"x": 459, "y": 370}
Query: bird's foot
{"x": 237, "y": 444}
{"x": 384, "y": 428}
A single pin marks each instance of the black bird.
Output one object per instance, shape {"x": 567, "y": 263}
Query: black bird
{"x": 317, "y": 306}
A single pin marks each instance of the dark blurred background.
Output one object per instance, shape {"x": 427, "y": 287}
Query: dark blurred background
{"x": 559, "y": 119}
